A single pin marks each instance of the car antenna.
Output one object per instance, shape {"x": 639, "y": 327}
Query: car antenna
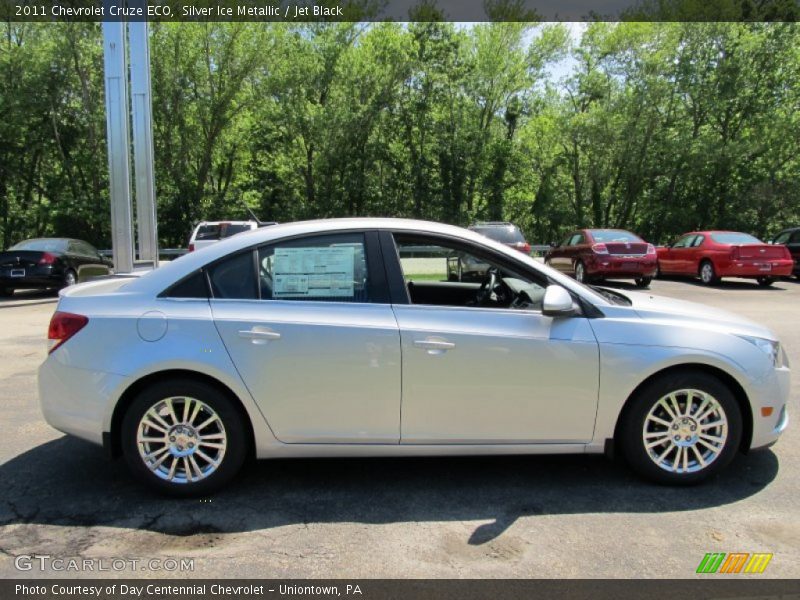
{"x": 253, "y": 215}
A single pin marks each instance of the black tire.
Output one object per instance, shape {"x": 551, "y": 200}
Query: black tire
{"x": 6, "y": 293}
{"x": 580, "y": 272}
{"x": 630, "y": 434}
{"x": 707, "y": 273}
{"x": 765, "y": 281}
{"x": 70, "y": 278}
{"x": 643, "y": 282}
{"x": 235, "y": 430}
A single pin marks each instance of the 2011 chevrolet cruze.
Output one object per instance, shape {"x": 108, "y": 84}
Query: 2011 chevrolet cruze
{"x": 359, "y": 337}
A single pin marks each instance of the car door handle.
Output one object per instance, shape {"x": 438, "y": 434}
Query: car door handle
{"x": 259, "y": 335}
{"x": 434, "y": 346}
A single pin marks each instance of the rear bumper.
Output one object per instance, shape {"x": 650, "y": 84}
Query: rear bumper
{"x": 619, "y": 266}
{"x": 761, "y": 268}
{"x": 76, "y": 401}
{"x": 42, "y": 277}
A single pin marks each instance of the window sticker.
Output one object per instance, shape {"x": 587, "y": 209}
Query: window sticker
{"x": 314, "y": 272}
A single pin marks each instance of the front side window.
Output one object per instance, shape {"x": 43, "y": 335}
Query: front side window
{"x": 330, "y": 268}
{"x": 685, "y": 241}
{"x": 445, "y": 273}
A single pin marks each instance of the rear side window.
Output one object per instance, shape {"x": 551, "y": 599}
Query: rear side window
{"x": 194, "y": 286}
{"x": 330, "y": 268}
{"x": 234, "y": 277}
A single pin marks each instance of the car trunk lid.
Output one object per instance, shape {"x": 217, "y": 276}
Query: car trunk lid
{"x": 759, "y": 251}
{"x": 22, "y": 259}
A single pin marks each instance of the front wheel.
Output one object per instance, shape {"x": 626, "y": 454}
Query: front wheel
{"x": 184, "y": 438}
{"x": 643, "y": 282}
{"x": 681, "y": 428}
{"x": 580, "y": 272}
{"x": 765, "y": 281}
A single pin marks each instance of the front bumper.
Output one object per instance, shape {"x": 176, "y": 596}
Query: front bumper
{"x": 770, "y": 392}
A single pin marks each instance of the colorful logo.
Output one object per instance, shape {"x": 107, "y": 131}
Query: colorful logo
{"x": 735, "y": 562}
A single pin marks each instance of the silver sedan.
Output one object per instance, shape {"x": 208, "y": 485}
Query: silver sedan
{"x": 385, "y": 337}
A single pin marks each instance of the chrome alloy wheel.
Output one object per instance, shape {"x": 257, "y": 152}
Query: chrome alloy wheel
{"x": 707, "y": 272}
{"x": 685, "y": 431}
{"x": 181, "y": 439}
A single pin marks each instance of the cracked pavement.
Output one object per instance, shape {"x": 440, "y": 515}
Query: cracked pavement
{"x": 548, "y": 516}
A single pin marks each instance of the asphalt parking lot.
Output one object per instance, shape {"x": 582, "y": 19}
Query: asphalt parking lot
{"x": 577, "y": 516}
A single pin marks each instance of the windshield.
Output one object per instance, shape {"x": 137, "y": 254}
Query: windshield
{"x": 610, "y": 235}
{"x": 505, "y": 235}
{"x": 735, "y": 238}
{"x": 41, "y": 245}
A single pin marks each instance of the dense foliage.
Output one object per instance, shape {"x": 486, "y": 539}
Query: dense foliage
{"x": 657, "y": 127}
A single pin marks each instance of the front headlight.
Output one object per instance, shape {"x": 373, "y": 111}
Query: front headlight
{"x": 770, "y": 348}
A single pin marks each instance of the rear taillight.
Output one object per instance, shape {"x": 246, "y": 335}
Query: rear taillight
{"x": 651, "y": 250}
{"x": 64, "y": 325}
{"x": 524, "y": 247}
{"x": 600, "y": 249}
{"x": 47, "y": 259}
{"x": 735, "y": 253}
{"x": 191, "y": 247}
{"x": 786, "y": 253}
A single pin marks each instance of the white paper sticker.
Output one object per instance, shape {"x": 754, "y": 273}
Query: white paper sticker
{"x": 314, "y": 272}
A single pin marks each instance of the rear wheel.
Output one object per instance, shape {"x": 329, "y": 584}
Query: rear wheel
{"x": 643, "y": 282}
{"x": 765, "y": 281}
{"x": 184, "y": 438}
{"x": 681, "y": 428}
{"x": 707, "y": 273}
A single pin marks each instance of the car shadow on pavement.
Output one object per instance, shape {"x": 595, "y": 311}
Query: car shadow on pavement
{"x": 70, "y": 483}
{"x": 725, "y": 284}
{"x": 29, "y": 298}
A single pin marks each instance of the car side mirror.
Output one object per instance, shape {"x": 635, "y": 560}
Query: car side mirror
{"x": 557, "y": 302}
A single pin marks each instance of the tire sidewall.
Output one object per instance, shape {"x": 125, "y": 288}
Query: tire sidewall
{"x": 713, "y": 277}
{"x": 632, "y": 424}
{"x": 237, "y": 442}
{"x": 66, "y": 278}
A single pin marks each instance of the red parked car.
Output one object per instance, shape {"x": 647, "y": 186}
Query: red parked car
{"x": 712, "y": 255}
{"x": 590, "y": 254}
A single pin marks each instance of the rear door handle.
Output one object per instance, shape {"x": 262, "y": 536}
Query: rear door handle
{"x": 259, "y": 335}
{"x": 434, "y": 345}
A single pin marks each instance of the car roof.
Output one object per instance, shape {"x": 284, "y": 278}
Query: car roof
{"x": 159, "y": 279}
{"x": 201, "y": 223}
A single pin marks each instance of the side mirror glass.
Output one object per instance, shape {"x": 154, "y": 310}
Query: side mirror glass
{"x": 557, "y": 302}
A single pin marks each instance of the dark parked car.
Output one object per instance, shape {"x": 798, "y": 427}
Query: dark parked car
{"x": 503, "y": 232}
{"x": 591, "y": 254}
{"x": 49, "y": 263}
{"x": 791, "y": 239}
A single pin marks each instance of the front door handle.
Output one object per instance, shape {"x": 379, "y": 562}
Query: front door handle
{"x": 260, "y": 335}
{"x": 434, "y": 345}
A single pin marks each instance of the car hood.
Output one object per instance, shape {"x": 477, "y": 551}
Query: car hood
{"x": 651, "y": 307}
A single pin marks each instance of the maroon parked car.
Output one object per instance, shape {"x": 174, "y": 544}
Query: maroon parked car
{"x": 591, "y": 254}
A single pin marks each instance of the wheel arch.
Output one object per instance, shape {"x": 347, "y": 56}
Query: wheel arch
{"x": 726, "y": 378}
{"x": 133, "y": 390}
